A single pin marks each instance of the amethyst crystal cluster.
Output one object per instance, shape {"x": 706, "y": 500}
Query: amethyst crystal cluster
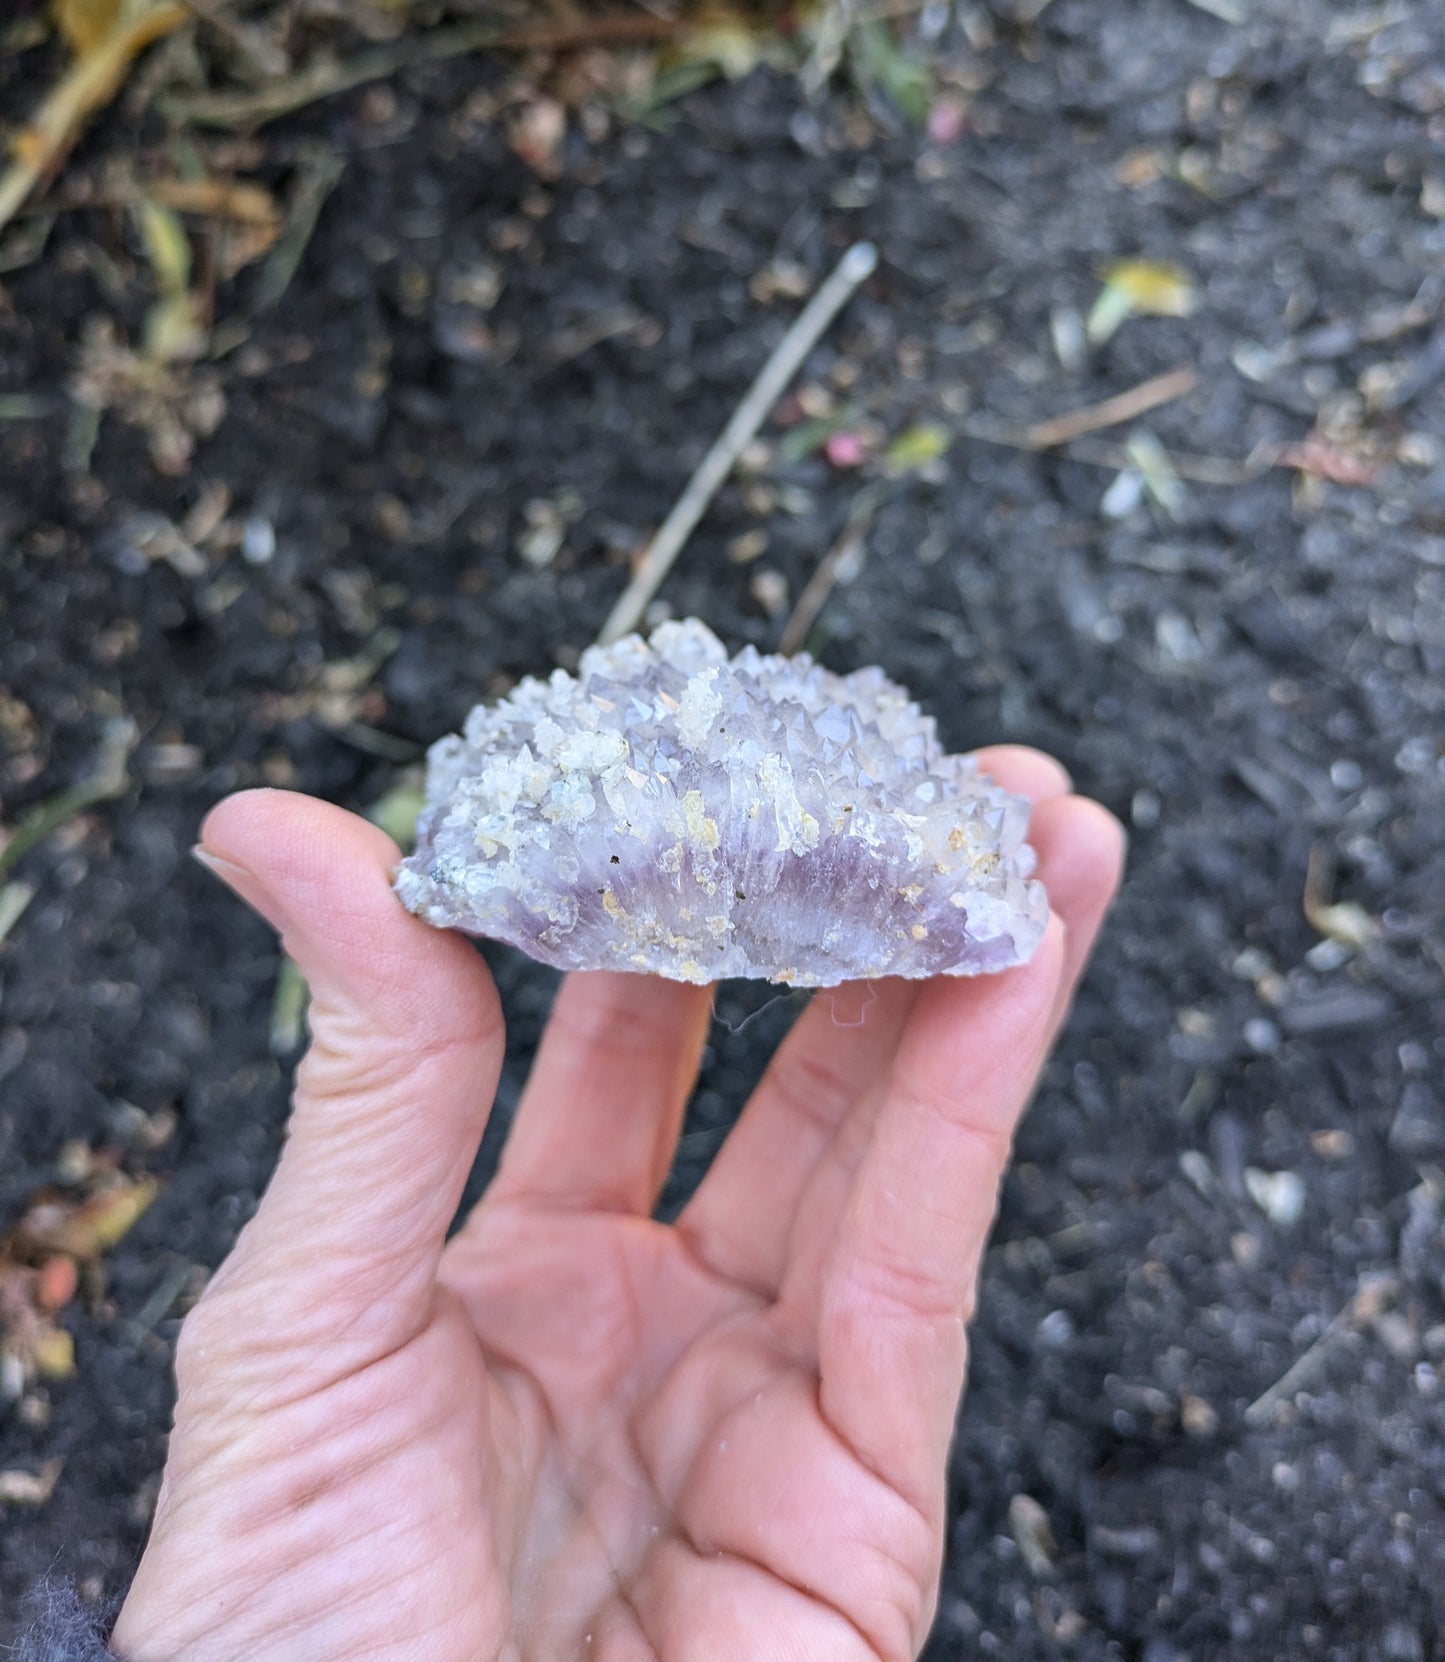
{"x": 678, "y": 812}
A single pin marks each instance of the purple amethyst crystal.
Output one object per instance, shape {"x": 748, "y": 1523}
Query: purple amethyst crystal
{"x": 678, "y": 812}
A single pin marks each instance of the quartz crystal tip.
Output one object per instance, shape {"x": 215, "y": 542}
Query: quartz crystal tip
{"x": 678, "y": 812}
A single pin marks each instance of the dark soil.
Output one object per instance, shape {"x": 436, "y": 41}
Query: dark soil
{"x": 1253, "y": 680}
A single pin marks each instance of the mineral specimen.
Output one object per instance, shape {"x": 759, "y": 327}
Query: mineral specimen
{"x": 678, "y": 812}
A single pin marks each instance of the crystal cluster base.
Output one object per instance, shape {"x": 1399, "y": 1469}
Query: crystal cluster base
{"x": 673, "y": 811}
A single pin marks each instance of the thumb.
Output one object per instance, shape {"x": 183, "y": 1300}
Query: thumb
{"x": 391, "y": 1098}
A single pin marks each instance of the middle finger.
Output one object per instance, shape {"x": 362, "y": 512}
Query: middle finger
{"x": 740, "y": 1220}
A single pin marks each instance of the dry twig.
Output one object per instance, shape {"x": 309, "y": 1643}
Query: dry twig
{"x": 324, "y": 79}
{"x": 1111, "y": 412}
{"x": 773, "y": 379}
{"x": 89, "y": 84}
{"x": 107, "y": 781}
{"x": 841, "y": 564}
{"x": 1373, "y": 1293}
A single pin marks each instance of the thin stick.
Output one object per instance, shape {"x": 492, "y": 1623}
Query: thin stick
{"x": 326, "y": 78}
{"x": 109, "y": 780}
{"x": 90, "y": 82}
{"x": 857, "y": 264}
{"x": 1124, "y": 406}
{"x": 1368, "y": 1299}
{"x": 317, "y": 176}
{"x": 1202, "y": 470}
{"x": 840, "y": 564}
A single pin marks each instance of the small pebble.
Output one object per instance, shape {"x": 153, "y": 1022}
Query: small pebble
{"x": 1138, "y": 1542}
{"x": 1398, "y": 1335}
{"x": 1144, "y": 809}
{"x": 1199, "y": 1418}
{"x": 1056, "y": 1329}
{"x": 1197, "y": 1169}
{"x": 1262, "y": 1036}
{"x": 1033, "y": 1535}
{"x": 1280, "y": 1195}
{"x": 1401, "y": 1643}
{"x": 258, "y": 542}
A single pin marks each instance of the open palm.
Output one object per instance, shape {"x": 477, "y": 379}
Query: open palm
{"x": 575, "y": 1432}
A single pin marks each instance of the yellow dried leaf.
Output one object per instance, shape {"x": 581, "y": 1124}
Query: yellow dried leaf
{"x": 53, "y": 1352}
{"x": 240, "y": 200}
{"x": 20, "y": 1488}
{"x": 86, "y": 23}
{"x": 110, "y": 1215}
{"x": 90, "y": 83}
{"x": 28, "y": 148}
{"x": 166, "y": 245}
{"x": 1149, "y": 287}
{"x": 1344, "y": 922}
{"x": 730, "y": 46}
{"x": 173, "y": 332}
{"x": 240, "y": 244}
{"x": 916, "y": 447}
{"x": 91, "y": 1228}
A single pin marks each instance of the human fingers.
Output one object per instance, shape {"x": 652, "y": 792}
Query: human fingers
{"x": 899, "y": 1283}
{"x": 894, "y": 1292}
{"x": 741, "y": 1218}
{"x": 339, "y": 1262}
{"x": 1024, "y": 771}
{"x": 1081, "y": 849}
{"x": 600, "y": 1117}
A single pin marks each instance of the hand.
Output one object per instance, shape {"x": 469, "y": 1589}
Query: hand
{"x": 572, "y": 1432}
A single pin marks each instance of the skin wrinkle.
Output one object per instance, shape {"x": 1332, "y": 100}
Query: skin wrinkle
{"x": 612, "y": 1033}
{"x": 828, "y": 1188}
{"x": 1005, "y": 1058}
{"x": 386, "y": 1076}
{"x": 376, "y": 1306}
{"x": 919, "y": 1514}
{"x": 397, "y": 1529}
{"x": 891, "y": 1283}
{"x": 801, "y": 1080}
{"x": 239, "y": 1600}
{"x": 396, "y": 1011}
{"x": 719, "y": 1424}
{"x": 698, "y": 1251}
{"x": 629, "y": 1604}
{"x": 578, "y": 1506}
{"x": 319, "y": 1388}
{"x": 808, "y": 1593}
{"x": 782, "y": 1646}
{"x": 272, "y": 1500}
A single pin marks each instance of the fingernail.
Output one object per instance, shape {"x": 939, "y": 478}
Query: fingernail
{"x": 227, "y": 870}
{"x": 241, "y": 882}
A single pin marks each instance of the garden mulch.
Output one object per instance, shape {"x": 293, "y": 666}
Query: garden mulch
{"x": 421, "y": 474}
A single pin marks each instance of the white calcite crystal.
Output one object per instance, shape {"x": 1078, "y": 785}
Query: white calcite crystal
{"x": 679, "y": 812}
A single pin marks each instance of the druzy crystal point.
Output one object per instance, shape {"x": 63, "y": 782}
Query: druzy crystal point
{"x": 675, "y": 811}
